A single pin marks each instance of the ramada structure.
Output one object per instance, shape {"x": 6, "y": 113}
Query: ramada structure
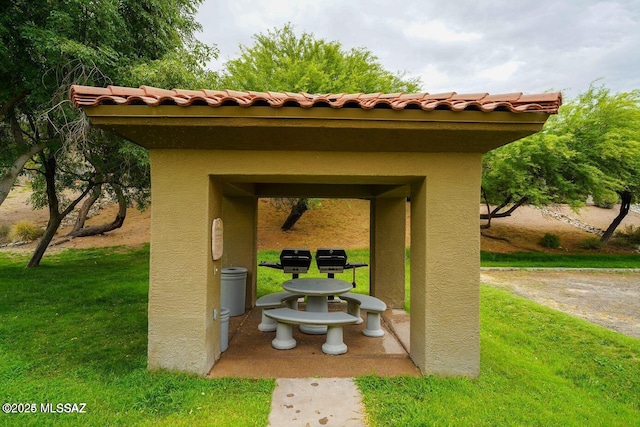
{"x": 215, "y": 153}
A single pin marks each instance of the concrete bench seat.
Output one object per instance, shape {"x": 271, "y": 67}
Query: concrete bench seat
{"x": 374, "y": 308}
{"x": 275, "y": 300}
{"x": 287, "y": 317}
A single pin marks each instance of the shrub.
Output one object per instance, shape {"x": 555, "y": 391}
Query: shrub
{"x": 550, "y": 241}
{"x": 592, "y": 243}
{"x": 606, "y": 203}
{"x": 629, "y": 235}
{"x": 25, "y": 231}
{"x": 4, "y": 233}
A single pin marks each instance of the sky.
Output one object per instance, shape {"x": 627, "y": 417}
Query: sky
{"x": 465, "y": 46}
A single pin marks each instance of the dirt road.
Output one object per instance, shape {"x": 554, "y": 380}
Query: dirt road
{"x": 610, "y": 299}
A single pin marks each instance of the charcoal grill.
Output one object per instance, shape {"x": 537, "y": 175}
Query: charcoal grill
{"x": 293, "y": 261}
{"x": 334, "y": 260}
{"x": 329, "y": 261}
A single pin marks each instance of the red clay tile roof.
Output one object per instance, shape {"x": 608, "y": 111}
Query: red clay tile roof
{"x": 88, "y": 96}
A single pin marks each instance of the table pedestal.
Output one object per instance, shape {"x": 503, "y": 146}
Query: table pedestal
{"x": 284, "y": 337}
{"x": 334, "y": 344}
{"x": 318, "y": 304}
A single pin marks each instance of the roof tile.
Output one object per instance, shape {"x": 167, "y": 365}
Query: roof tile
{"x": 446, "y": 95}
{"x": 503, "y": 97}
{"x": 187, "y": 93}
{"x": 88, "y": 96}
{"x": 157, "y": 92}
{"x": 468, "y": 96}
{"x": 543, "y": 97}
{"x": 123, "y": 91}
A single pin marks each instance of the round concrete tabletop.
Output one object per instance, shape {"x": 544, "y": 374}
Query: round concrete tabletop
{"x": 317, "y": 286}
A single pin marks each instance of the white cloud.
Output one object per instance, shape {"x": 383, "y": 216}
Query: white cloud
{"x": 501, "y": 72}
{"x": 492, "y": 46}
{"x": 433, "y": 79}
{"x": 438, "y": 31}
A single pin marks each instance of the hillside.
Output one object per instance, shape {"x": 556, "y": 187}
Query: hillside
{"x": 341, "y": 223}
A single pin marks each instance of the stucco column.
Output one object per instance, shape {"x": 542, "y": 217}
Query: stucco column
{"x": 445, "y": 267}
{"x": 240, "y": 217}
{"x": 184, "y": 282}
{"x": 387, "y": 245}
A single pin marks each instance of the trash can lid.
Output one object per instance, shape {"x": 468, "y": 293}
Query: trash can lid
{"x": 234, "y": 270}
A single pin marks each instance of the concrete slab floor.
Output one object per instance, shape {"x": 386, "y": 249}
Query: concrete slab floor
{"x": 250, "y": 354}
{"x": 316, "y": 402}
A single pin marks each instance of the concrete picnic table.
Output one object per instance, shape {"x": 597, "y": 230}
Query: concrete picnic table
{"x": 317, "y": 290}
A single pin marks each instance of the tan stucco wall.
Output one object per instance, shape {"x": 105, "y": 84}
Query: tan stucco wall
{"x": 188, "y": 193}
{"x": 240, "y": 217}
{"x": 387, "y": 250}
{"x": 182, "y": 288}
{"x": 445, "y": 268}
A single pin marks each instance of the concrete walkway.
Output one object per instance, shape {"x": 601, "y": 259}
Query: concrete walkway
{"x": 316, "y": 402}
{"x": 315, "y": 389}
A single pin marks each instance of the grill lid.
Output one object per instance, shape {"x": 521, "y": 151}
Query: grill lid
{"x": 331, "y": 260}
{"x": 295, "y": 260}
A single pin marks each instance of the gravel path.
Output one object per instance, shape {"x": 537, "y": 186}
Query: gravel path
{"x": 610, "y": 299}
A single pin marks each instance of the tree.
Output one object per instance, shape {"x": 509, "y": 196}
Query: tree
{"x": 120, "y": 171}
{"x": 606, "y": 127}
{"x": 49, "y": 165}
{"x": 541, "y": 169}
{"x": 104, "y": 166}
{"x": 182, "y": 68}
{"x": 282, "y": 61}
{"x": 75, "y": 42}
{"x": 591, "y": 148}
{"x": 55, "y": 44}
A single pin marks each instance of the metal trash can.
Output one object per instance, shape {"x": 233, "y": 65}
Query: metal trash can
{"x": 233, "y": 284}
{"x": 224, "y": 329}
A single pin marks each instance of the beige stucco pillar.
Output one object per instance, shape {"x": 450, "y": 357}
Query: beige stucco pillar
{"x": 184, "y": 282}
{"x": 387, "y": 246}
{"x": 445, "y": 267}
{"x": 240, "y": 217}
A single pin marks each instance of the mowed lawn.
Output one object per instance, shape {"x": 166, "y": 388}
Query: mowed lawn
{"x": 75, "y": 331}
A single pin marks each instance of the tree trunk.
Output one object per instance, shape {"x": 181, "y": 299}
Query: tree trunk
{"x": 55, "y": 216}
{"x": 297, "y": 210}
{"x": 625, "y": 205}
{"x": 10, "y": 176}
{"x": 28, "y": 151}
{"x": 104, "y": 228}
{"x": 86, "y": 207}
{"x": 43, "y": 243}
{"x": 495, "y": 213}
{"x": 489, "y": 212}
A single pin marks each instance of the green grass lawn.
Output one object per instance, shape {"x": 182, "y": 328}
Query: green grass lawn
{"x": 75, "y": 331}
{"x": 540, "y": 259}
{"x": 539, "y": 367}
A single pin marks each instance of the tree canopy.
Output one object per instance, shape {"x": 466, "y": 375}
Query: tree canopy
{"x": 280, "y": 60}
{"x": 48, "y": 46}
{"x": 590, "y": 149}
